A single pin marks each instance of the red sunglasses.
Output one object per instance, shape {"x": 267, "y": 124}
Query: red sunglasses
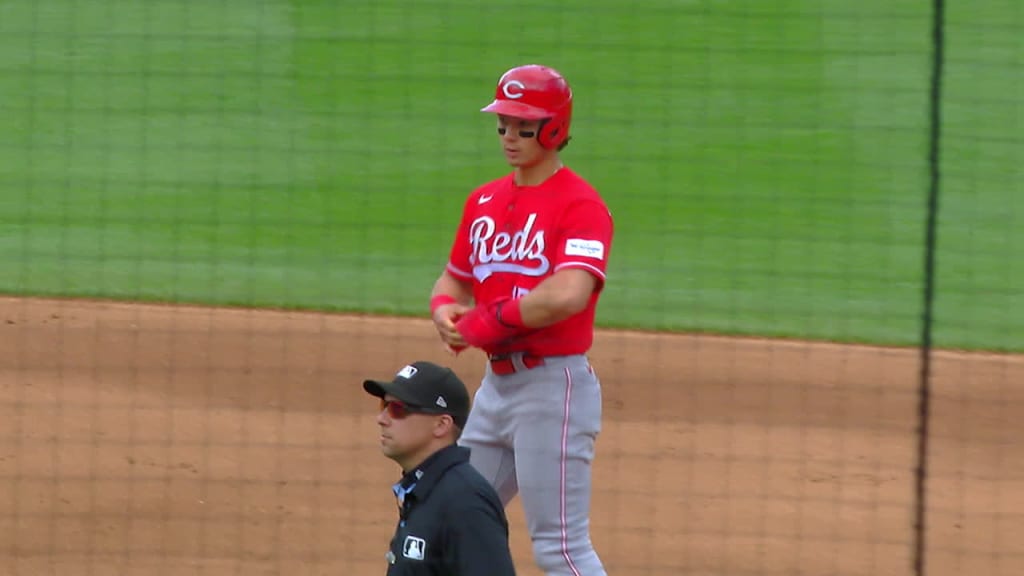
{"x": 398, "y": 410}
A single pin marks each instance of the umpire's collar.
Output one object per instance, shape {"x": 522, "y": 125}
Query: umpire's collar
{"x": 426, "y": 475}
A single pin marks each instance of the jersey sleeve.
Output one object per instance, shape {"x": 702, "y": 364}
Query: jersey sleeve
{"x": 459, "y": 265}
{"x": 477, "y": 538}
{"x": 585, "y": 239}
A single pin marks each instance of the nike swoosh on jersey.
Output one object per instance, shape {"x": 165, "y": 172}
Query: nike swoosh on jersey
{"x": 484, "y": 199}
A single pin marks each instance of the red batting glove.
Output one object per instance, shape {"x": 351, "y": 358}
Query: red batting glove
{"x": 488, "y": 325}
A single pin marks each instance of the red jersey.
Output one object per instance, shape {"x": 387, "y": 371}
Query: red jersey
{"x": 513, "y": 237}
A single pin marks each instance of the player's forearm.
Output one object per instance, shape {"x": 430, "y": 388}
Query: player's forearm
{"x": 556, "y": 298}
{"x": 539, "y": 312}
{"x": 449, "y": 285}
{"x": 561, "y": 296}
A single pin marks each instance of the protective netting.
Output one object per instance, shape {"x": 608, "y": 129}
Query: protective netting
{"x": 767, "y": 165}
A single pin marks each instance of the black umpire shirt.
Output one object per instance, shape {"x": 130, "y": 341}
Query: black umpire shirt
{"x": 451, "y": 522}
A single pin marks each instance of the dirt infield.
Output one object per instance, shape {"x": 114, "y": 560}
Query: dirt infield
{"x": 172, "y": 440}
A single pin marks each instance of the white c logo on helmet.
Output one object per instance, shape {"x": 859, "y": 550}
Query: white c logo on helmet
{"x": 509, "y": 93}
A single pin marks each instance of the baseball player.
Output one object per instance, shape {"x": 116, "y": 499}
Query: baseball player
{"x": 522, "y": 284}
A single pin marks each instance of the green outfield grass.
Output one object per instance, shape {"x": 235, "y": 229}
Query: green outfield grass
{"x": 766, "y": 163}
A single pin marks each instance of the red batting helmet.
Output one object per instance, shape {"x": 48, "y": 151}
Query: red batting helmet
{"x": 535, "y": 92}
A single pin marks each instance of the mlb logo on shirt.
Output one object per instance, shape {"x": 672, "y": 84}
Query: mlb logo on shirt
{"x": 414, "y": 548}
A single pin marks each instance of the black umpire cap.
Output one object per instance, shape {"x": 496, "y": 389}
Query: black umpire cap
{"x": 426, "y": 387}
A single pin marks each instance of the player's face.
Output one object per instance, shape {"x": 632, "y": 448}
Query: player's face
{"x": 404, "y": 433}
{"x": 519, "y": 141}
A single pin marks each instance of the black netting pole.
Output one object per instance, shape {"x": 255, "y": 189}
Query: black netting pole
{"x": 924, "y": 389}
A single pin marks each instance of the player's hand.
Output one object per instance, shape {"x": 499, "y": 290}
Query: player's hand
{"x": 445, "y": 318}
{"x": 483, "y": 327}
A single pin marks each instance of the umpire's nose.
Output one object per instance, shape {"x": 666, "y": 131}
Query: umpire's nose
{"x": 382, "y": 417}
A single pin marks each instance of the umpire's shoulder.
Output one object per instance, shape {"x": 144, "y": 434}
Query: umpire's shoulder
{"x": 463, "y": 479}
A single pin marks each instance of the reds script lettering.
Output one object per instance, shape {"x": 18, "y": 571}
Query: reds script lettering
{"x": 504, "y": 252}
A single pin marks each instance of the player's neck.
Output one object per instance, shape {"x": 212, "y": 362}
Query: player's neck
{"x": 536, "y": 174}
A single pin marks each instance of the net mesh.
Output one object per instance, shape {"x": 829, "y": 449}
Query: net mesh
{"x": 218, "y": 217}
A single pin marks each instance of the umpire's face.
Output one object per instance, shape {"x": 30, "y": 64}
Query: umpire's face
{"x": 407, "y": 435}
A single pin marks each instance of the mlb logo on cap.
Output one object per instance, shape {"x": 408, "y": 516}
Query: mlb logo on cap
{"x": 427, "y": 387}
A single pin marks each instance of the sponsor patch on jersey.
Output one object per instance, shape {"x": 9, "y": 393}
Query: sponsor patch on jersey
{"x": 581, "y": 247}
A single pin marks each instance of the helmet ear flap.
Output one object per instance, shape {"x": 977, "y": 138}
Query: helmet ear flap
{"x": 553, "y": 132}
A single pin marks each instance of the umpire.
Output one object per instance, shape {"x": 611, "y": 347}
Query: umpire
{"x": 451, "y": 522}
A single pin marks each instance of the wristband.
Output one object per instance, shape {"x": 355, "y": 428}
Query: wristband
{"x": 510, "y": 314}
{"x": 440, "y": 300}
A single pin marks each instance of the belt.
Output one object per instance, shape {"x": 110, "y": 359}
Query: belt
{"x": 505, "y": 364}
